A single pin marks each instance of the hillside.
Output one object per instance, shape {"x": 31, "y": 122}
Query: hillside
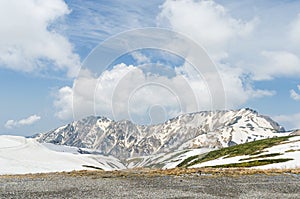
{"x": 279, "y": 152}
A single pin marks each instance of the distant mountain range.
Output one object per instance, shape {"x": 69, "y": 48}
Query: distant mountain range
{"x": 123, "y": 139}
{"x": 233, "y": 138}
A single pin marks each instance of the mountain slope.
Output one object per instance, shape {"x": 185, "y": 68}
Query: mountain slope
{"x": 20, "y": 155}
{"x": 123, "y": 139}
{"x": 279, "y": 152}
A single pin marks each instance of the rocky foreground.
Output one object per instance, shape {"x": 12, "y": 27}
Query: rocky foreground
{"x": 137, "y": 184}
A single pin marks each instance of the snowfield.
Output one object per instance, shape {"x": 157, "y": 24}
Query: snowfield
{"x": 291, "y": 150}
{"x": 20, "y": 155}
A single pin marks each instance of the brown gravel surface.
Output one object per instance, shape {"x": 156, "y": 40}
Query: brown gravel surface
{"x": 150, "y": 184}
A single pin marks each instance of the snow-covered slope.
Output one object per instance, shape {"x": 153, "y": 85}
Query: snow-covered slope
{"x": 289, "y": 149}
{"x": 19, "y": 155}
{"x": 164, "y": 160}
{"x": 123, "y": 139}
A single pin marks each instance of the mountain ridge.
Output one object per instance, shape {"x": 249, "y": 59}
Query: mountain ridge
{"x": 124, "y": 139}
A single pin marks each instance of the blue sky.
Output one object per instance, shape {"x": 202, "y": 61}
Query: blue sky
{"x": 255, "y": 45}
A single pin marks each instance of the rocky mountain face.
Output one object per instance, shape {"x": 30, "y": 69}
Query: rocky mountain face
{"x": 123, "y": 139}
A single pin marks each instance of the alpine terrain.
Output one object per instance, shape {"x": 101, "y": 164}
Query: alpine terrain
{"x": 123, "y": 139}
{"x": 235, "y": 138}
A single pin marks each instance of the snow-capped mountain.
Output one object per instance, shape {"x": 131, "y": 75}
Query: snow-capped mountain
{"x": 123, "y": 139}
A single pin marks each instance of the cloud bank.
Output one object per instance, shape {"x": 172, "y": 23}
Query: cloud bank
{"x": 23, "y": 122}
{"x": 127, "y": 92}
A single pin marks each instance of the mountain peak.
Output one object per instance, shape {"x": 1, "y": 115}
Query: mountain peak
{"x": 123, "y": 139}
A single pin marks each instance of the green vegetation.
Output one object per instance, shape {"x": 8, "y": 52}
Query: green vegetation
{"x": 253, "y": 163}
{"x": 250, "y": 148}
{"x": 292, "y": 150}
{"x": 186, "y": 161}
{"x": 258, "y": 152}
{"x": 262, "y": 156}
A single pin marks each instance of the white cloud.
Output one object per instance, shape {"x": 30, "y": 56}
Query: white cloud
{"x": 213, "y": 26}
{"x": 276, "y": 64}
{"x": 27, "y": 43}
{"x": 140, "y": 58}
{"x": 10, "y": 124}
{"x": 94, "y": 21}
{"x": 23, "y": 122}
{"x": 294, "y": 95}
{"x": 126, "y": 92}
{"x": 238, "y": 90}
{"x": 294, "y": 32}
{"x": 206, "y": 22}
{"x": 290, "y": 121}
{"x": 63, "y": 103}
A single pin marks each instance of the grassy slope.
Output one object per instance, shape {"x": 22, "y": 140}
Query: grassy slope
{"x": 253, "y": 163}
{"x": 250, "y": 148}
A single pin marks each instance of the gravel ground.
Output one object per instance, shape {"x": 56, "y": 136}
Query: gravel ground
{"x": 89, "y": 186}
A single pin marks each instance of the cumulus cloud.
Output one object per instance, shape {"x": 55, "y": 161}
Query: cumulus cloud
{"x": 23, "y": 122}
{"x": 291, "y": 121}
{"x": 277, "y": 64}
{"x": 27, "y": 42}
{"x": 63, "y": 103}
{"x": 206, "y": 22}
{"x": 212, "y": 25}
{"x": 294, "y": 95}
{"x": 127, "y": 92}
{"x": 239, "y": 90}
